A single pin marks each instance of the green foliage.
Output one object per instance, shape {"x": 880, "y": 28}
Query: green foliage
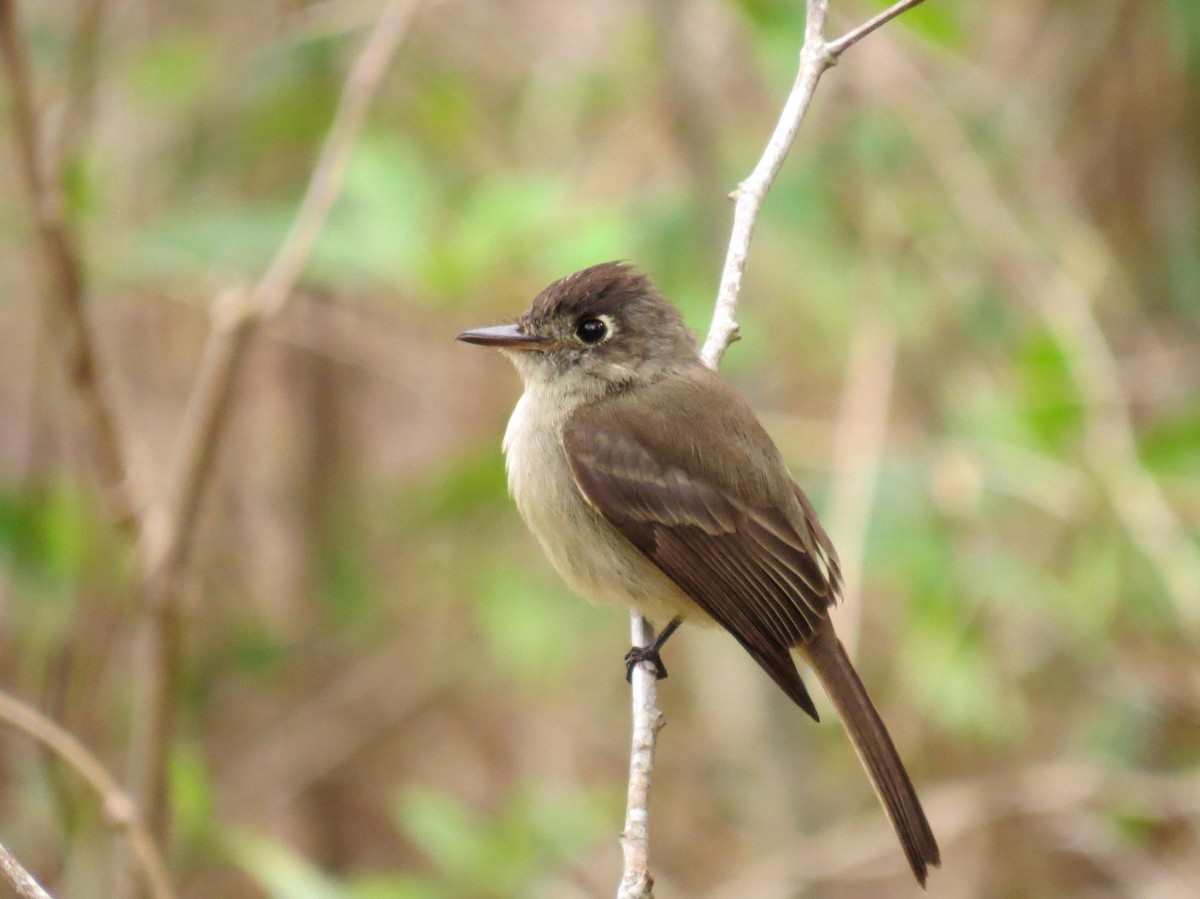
{"x": 46, "y": 532}
{"x": 458, "y": 488}
{"x": 508, "y": 853}
{"x": 346, "y": 585}
{"x": 1184, "y": 32}
{"x": 1023, "y": 620}
{"x": 174, "y": 70}
{"x": 192, "y": 798}
{"x": 951, "y": 667}
{"x": 942, "y": 24}
{"x": 531, "y": 626}
{"x": 1172, "y": 444}
{"x": 1050, "y": 402}
{"x": 284, "y": 874}
{"x": 381, "y": 228}
{"x": 504, "y": 854}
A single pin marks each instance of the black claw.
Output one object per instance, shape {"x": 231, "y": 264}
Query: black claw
{"x": 639, "y": 654}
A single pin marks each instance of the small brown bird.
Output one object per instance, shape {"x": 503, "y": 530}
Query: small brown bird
{"x": 650, "y": 483}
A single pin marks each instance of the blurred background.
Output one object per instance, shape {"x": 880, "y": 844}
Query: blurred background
{"x": 970, "y": 319}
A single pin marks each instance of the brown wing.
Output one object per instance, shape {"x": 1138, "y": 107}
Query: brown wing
{"x": 736, "y": 535}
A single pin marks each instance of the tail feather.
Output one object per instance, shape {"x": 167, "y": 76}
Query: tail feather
{"x": 875, "y": 749}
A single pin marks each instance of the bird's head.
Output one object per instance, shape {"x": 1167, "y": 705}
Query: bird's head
{"x": 602, "y": 328}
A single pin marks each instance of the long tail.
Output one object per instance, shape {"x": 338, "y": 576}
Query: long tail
{"x": 875, "y": 749}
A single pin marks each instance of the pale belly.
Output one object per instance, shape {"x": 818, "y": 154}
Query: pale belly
{"x": 586, "y": 551}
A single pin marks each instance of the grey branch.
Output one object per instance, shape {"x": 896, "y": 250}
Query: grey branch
{"x": 636, "y": 881}
{"x": 816, "y": 56}
{"x": 21, "y": 880}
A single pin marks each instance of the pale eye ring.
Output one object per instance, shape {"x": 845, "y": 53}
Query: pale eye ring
{"x": 591, "y": 330}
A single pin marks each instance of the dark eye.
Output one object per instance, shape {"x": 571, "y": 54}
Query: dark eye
{"x": 591, "y": 330}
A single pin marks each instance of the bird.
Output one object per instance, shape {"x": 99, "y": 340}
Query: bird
{"x": 650, "y": 483}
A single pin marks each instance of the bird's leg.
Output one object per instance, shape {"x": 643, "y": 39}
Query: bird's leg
{"x": 639, "y": 654}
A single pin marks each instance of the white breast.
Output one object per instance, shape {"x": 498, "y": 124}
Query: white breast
{"x": 587, "y": 552}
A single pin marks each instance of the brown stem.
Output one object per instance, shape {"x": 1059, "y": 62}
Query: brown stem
{"x": 170, "y": 526}
{"x": 118, "y": 807}
{"x": 64, "y": 274}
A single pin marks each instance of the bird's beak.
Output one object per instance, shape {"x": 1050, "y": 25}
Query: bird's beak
{"x": 504, "y": 337}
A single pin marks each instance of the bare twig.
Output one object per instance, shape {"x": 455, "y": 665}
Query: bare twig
{"x": 167, "y": 530}
{"x": 119, "y": 809}
{"x": 836, "y": 48}
{"x": 636, "y": 881}
{"x": 64, "y": 272}
{"x": 170, "y": 526}
{"x": 22, "y": 881}
{"x": 816, "y": 56}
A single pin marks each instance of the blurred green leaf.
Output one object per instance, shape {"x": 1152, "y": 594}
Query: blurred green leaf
{"x": 458, "y": 487}
{"x": 192, "y": 797}
{"x": 1051, "y": 404}
{"x": 281, "y": 871}
{"x": 398, "y": 886}
{"x": 348, "y": 590}
{"x": 46, "y": 532}
{"x": 951, "y": 668}
{"x": 527, "y": 625}
{"x": 284, "y": 874}
{"x": 381, "y": 229}
{"x": 252, "y": 648}
{"x": 1173, "y": 442}
{"x": 291, "y": 94}
{"x": 241, "y": 237}
{"x": 454, "y": 838}
{"x": 1122, "y": 727}
{"x": 1185, "y": 31}
{"x": 174, "y": 69}
{"x": 504, "y": 854}
{"x": 939, "y": 23}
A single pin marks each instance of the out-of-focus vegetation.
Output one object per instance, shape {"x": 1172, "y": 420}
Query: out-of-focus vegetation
{"x": 387, "y": 692}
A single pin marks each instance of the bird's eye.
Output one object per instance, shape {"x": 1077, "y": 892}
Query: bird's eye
{"x": 591, "y": 330}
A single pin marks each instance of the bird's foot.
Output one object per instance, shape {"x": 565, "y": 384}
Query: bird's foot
{"x": 639, "y": 654}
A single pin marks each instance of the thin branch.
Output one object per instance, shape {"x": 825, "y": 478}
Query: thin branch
{"x": 815, "y": 57}
{"x": 750, "y": 194}
{"x": 64, "y": 272}
{"x": 237, "y": 312}
{"x": 636, "y": 880}
{"x": 170, "y": 526}
{"x": 119, "y": 809}
{"x": 850, "y": 38}
{"x": 22, "y": 881}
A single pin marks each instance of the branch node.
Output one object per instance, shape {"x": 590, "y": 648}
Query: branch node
{"x": 119, "y": 810}
{"x": 232, "y": 308}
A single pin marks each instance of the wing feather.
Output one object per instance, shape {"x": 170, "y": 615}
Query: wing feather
{"x": 751, "y": 555}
